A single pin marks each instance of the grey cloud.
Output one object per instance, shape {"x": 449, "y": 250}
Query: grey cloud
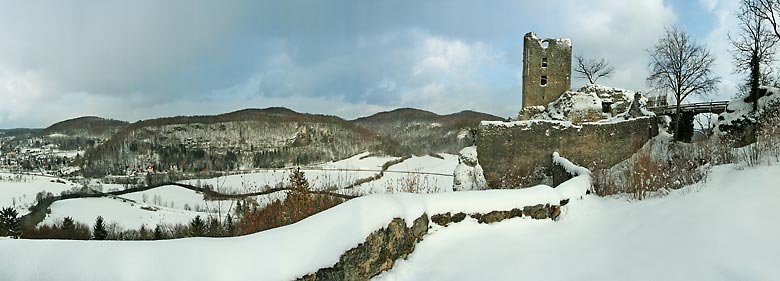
{"x": 363, "y": 54}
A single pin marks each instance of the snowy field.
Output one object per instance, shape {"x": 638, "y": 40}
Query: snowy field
{"x": 433, "y": 174}
{"x": 421, "y": 174}
{"x": 721, "y": 230}
{"x": 124, "y": 214}
{"x": 19, "y": 190}
{"x": 172, "y": 205}
{"x": 179, "y": 205}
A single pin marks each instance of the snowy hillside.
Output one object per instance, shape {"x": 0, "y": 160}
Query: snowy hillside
{"x": 173, "y": 204}
{"x": 718, "y": 230}
{"x": 162, "y": 205}
{"x": 19, "y": 190}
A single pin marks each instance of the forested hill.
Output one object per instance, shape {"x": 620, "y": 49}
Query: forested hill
{"x": 274, "y": 137}
{"x": 419, "y": 132}
{"x": 87, "y": 126}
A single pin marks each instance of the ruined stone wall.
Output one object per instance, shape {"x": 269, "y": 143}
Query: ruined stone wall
{"x": 557, "y": 55}
{"x": 510, "y": 152}
{"x": 384, "y": 247}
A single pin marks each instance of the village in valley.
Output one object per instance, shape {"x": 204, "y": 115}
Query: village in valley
{"x": 670, "y": 180}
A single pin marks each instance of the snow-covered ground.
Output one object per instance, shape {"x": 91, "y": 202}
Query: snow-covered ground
{"x": 432, "y": 173}
{"x": 19, "y": 190}
{"x": 719, "y": 230}
{"x": 282, "y": 253}
{"x": 429, "y": 174}
{"x": 722, "y": 229}
{"x": 170, "y": 205}
{"x": 179, "y": 205}
{"x": 125, "y": 214}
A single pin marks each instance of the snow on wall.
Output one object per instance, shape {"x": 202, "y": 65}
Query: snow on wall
{"x": 579, "y": 184}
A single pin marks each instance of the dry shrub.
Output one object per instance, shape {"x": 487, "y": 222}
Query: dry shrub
{"x": 413, "y": 182}
{"x": 644, "y": 175}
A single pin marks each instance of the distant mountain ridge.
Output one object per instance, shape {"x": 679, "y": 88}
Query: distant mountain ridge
{"x": 263, "y": 138}
{"x": 91, "y": 126}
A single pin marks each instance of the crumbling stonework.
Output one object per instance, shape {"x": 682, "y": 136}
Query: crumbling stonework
{"x": 546, "y": 69}
{"x": 510, "y": 152}
{"x": 380, "y": 251}
{"x": 396, "y": 241}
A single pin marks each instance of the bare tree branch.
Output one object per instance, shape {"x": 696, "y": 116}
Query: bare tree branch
{"x": 753, "y": 47}
{"x": 593, "y": 69}
{"x": 681, "y": 66}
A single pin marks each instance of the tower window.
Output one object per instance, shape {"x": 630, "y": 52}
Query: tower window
{"x": 544, "y": 62}
{"x": 544, "y": 80}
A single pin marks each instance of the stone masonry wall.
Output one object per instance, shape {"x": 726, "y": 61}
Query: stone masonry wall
{"x": 511, "y": 152}
{"x": 396, "y": 241}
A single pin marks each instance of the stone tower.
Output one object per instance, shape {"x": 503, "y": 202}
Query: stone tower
{"x": 546, "y": 69}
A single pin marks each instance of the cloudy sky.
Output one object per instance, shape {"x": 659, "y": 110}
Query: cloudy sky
{"x": 141, "y": 59}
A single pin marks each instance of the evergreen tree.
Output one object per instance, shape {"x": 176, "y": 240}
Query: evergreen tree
{"x": 143, "y": 233}
{"x": 230, "y": 229}
{"x": 68, "y": 228}
{"x": 158, "y": 234}
{"x": 99, "y": 231}
{"x": 10, "y": 223}
{"x": 215, "y": 228}
{"x": 197, "y": 227}
{"x": 298, "y": 204}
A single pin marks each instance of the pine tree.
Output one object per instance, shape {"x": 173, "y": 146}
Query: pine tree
{"x": 68, "y": 228}
{"x": 99, "y": 231}
{"x": 143, "y": 233}
{"x": 158, "y": 234}
{"x": 298, "y": 204}
{"x": 215, "y": 228}
{"x": 230, "y": 229}
{"x": 10, "y": 223}
{"x": 197, "y": 227}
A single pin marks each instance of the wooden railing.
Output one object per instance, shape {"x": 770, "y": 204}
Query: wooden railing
{"x": 695, "y": 108}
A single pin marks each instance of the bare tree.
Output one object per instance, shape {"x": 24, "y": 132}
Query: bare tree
{"x": 768, "y": 10}
{"x": 753, "y": 47}
{"x": 680, "y": 65}
{"x": 593, "y": 69}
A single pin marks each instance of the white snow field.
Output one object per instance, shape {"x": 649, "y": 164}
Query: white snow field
{"x": 173, "y": 205}
{"x": 723, "y": 229}
{"x": 125, "y": 215}
{"x": 282, "y": 253}
{"x": 19, "y": 190}
{"x": 180, "y": 205}
{"x": 432, "y": 172}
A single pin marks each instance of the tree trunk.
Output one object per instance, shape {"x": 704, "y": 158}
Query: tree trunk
{"x": 677, "y": 121}
{"x": 755, "y": 76}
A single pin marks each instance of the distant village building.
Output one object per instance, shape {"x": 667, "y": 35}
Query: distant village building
{"x": 546, "y": 69}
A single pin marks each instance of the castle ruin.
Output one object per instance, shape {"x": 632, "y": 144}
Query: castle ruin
{"x": 546, "y": 69}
